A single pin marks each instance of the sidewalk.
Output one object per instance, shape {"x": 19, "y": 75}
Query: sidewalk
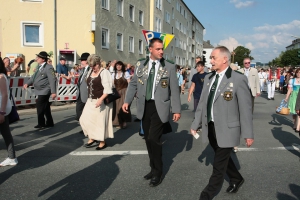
{"x": 55, "y": 106}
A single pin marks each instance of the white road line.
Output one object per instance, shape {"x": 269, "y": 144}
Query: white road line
{"x": 107, "y": 153}
{"x": 295, "y": 147}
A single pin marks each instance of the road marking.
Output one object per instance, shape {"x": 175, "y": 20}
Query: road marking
{"x": 294, "y": 147}
{"x": 107, "y": 153}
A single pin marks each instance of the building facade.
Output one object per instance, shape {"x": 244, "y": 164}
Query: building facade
{"x": 110, "y": 28}
{"x": 119, "y": 25}
{"x": 118, "y": 34}
{"x": 32, "y": 28}
{"x": 207, "y": 48}
{"x": 295, "y": 45}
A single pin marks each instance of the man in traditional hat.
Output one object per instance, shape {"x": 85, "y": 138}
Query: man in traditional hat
{"x": 82, "y": 93}
{"x": 44, "y": 82}
{"x": 153, "y": 82}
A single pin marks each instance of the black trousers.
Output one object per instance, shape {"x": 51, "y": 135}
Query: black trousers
{"x": 153, "y": 130}
{"x": 79, "y": 107}
{"x": 43, "y": 109}
{"x": 6, "y": 134}
{"x": 223, "y": 164}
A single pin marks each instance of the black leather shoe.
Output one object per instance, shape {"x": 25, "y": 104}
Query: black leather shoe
{"x": 88, "y": 145}
{"x": 100, "y": 148}
{"x": 235, "y": 187}
{"x": 39, "y": 127}
{"x": 155, "y": 181}
{"x": 140, "y": 134}
{"x": 148, "y": 176}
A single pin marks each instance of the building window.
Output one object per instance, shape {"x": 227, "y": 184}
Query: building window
{"x": 141, "y": 46}
{"x": 32, "y": 34}
{"x": 172, "y": 12}
{"x": 158, "y": 24}
{"x": 167, "y": 17}
{"x": 105, "y": 38}
{"x": 120, "y": 41}
{"x": 131, "y": 13}
{"x": 141, "y": 17}
{"x": 172, "y": 30}
{"x": 172, "y": 51}
{"x": 158, "y": 4}
{"x": 131, "y": 44}
{"x": 105, "y": 4}
{"x": 120, "y": 8}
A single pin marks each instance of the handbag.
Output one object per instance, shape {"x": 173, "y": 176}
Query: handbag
{"x": 112, "y": 97}
{"x": 283, "y": 108}
{"x": 13, "y": 116}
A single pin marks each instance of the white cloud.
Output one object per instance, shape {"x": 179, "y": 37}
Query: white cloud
{"x": 242, "y": 4}
{"x": 250, "y": 46}
{"x": 231, "y": 43}
{"x": 281, "y": 27}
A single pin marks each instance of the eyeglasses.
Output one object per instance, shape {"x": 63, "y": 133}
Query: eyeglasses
{"x": 247, "y": 63}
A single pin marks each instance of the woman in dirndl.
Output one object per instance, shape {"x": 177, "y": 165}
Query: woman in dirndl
{"x": 293, "y": 89}
{"x": 96, "y": 118}
{"x": 121, "y": 79}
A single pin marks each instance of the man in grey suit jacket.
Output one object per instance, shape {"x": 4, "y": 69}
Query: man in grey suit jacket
{"x": 44, "y": 82}
{"x": 225, "y": 113}
{"x": 253, "y": 79}
{"x": 82, "y": 92}
{"x": 156, "y": 87}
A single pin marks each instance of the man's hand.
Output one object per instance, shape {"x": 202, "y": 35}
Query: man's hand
{"x": 53, "y": 96}
{"x": 25, "y": 86}
{"x": 193, "y": 132}
{"x": 257, "y": 94}
{"x": 189, "y": 98}
{"x": 249, "y": 142}
{"x": 176, "y": 117}
{"x": 125, "y": 107}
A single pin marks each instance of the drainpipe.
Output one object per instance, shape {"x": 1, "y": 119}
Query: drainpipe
{"x": 55, "y": 37}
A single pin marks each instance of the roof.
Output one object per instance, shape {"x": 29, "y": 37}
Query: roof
{"x": 207, "y": 45}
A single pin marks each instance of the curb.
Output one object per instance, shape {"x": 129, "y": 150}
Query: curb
{"x": 54, "y": 108}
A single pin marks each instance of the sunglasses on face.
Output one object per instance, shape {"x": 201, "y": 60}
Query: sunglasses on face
{"x": 247, "y": 63}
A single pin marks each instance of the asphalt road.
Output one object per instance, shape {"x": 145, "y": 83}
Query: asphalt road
{"x": 53, "y": 164}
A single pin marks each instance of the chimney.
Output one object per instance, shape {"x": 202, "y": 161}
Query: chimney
{"x": 208, "y": 41}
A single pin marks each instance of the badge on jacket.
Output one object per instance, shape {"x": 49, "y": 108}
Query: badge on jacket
{"x": 164, "y": 83}
{"x": 228, "y": 96}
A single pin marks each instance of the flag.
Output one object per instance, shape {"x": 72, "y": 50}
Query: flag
{"x": 165, "y": 37}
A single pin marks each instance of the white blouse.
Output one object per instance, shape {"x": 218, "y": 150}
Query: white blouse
{"x": 126, "y": 76}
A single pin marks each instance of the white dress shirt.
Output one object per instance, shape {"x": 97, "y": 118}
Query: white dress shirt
{"x": 221, "y": 75}
{"x": 156, "y": 70}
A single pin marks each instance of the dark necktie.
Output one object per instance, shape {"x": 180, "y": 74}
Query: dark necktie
{"x": 211, "y": 98}
{"x": 150, "y": 82}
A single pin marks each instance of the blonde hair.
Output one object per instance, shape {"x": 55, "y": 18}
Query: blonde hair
{"x": 94, "y": 60}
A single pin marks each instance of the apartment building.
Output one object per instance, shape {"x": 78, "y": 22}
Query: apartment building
{"x": 119, "y": 25}
{"x": 28, "y": 27}
{"x": 110, "y": 28}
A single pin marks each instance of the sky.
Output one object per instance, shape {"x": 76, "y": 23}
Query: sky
{"x": 265, "y": 27}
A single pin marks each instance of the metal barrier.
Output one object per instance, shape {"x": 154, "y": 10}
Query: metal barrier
{"x": 66, "y": 90}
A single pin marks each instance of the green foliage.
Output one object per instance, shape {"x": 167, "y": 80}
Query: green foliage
{"x": 241, "y": 53}
{"x": 50, "y": 53}
{"x": 290, "y": 57}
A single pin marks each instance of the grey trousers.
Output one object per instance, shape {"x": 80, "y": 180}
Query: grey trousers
{"x": 6, "y": 134}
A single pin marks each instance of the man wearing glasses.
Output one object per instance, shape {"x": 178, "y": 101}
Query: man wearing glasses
{"x": 253, "y": 79}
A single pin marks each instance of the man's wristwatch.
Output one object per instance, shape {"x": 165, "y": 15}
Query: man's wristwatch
{"x": 2, "y": 113}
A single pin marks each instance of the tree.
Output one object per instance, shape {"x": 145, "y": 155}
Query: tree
{"x": 241, "y": 53}
{"x": 290, "y": 57}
